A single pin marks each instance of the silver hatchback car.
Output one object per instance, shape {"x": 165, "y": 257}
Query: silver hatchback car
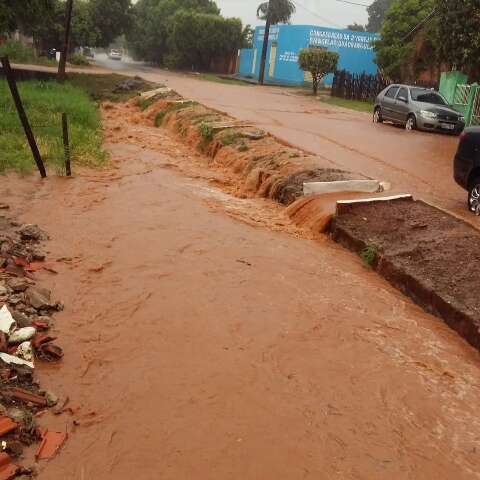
{"x": 417, "y": 107}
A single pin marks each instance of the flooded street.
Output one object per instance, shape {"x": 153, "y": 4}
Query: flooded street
{"x": 207, "y": 338}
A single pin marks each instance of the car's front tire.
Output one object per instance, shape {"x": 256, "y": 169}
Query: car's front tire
{"x": 411, "y": 123}
{"x": 474, "y": 196}
{"x": 377, "y": 115}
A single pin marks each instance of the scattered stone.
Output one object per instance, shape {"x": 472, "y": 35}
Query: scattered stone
{"x": 18, "y": 284}
{"x": 32, "y": 232}
{"x": 129, "y": 85}
{"x": 4, "y": 206}
{"x": 38, "y": 298}
{"x": 18, "y": 415}
{"x": 51, "y": 398}
{"x": 38, "y": 255}
{"x": 16, "y": 299}
{"x": 3, "y": 290}
{"x": 14, "y": 448}
{"x": 21, "y": 319}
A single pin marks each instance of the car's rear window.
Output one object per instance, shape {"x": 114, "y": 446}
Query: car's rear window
{"x": 426, "y": 96}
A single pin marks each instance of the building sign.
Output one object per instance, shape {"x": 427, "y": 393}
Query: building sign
{"x": 325, "y": 38}
{"x": 272, "y": 35}
{"x": 289, "y": 57}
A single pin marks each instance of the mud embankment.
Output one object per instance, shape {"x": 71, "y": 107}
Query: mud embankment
{"x": 262, "y": 164}
{"x": 426, "y": 253}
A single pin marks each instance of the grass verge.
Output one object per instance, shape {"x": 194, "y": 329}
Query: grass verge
{"x": 44, "y": 103}
{"x": 350, "y": 104}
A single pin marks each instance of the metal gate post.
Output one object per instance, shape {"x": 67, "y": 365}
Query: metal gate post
{"x": 472, "y": 100}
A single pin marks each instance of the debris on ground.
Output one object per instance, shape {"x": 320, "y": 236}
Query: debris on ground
{"x": 26, "y": 310}
{"x": 130, "y": 85}
{"x": 51, "y": 443}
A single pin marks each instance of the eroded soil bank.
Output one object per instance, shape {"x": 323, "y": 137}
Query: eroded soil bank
{"x": 200, "y": 346}
{"x": 425, "y": 252}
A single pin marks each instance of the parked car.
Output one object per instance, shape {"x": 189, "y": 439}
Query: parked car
{"x": 115, "y": 54}
{"x": 466, "y": 166}
{"x": 417, "y": 107}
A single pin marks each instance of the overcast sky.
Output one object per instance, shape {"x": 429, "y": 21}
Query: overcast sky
{"x": 326, "y": 13}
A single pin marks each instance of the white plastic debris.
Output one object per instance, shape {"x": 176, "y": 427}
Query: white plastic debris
{"x": 7, "y": 323}
{"x": 22, "y": 335}
{"x": 11, "y": 359}
{"x": 25, "y": 352}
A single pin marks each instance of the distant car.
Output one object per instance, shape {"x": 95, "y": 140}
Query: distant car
{"x": 417, "y": 107}
{"x": 115, "y": 55}
{"x": 466, "y": 166}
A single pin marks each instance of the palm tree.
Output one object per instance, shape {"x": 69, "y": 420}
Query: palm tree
{"x": 273, "y": 12}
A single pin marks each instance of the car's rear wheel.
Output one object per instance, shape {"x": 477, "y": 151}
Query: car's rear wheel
{"x": 377, "y": 115}
{"x": 474, "y": 196}
{"x": 411, "y": 123}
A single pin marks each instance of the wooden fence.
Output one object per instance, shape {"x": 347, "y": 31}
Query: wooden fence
{"x": 362, "y": 86}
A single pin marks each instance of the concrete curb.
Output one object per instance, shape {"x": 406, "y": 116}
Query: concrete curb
{"x": 455, "y": 314}
{"x": 363, "y": 186}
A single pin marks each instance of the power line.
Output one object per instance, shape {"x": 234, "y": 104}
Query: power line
{"x": 353, "y": 3}
{"x": 317, "y": 15}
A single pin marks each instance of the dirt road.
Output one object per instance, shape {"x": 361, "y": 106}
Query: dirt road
{"x": 206, "y": 339}
{"x": 418, "y": 163}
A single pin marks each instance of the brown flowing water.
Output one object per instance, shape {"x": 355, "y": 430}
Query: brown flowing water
{"x": 208, "y": 338}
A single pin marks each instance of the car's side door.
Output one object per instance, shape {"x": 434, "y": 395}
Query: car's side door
{"x": 388, "y": 102}
{"x": 402, "y": 107}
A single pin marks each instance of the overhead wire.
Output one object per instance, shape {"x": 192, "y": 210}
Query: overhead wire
{"x": 315, "y": 14}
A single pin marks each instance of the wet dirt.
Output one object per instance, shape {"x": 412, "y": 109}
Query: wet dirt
{"x": 200, "y": 346}
{"x": 428, "y": 245}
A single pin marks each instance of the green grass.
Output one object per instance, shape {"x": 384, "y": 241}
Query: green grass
{"x": 171, "y": 108}
{"x": 369, "y": 254}
{"x": 206, "y": 131}
{"x": 44, "y": 102}
{"x": 230, "y": 137}
{"x": 350, "y": 104}
{"x": 17, "y": 52}
{"x": 211, "y": 77}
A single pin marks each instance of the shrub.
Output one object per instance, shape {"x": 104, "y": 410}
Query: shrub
{"x": 318, "y": 62}
{"x": 77, "y": 59}
{"x": 206, "y": 131}
{"x": 369, "y": 254}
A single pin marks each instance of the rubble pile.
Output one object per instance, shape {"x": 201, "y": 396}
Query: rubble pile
{"x": 26, "y": 311}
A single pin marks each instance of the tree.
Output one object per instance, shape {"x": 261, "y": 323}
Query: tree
{"x": 248, "y": 35}
{"x": 376, "y": 14}
{"x": 23, "y": 15}
{"x": 272, "y": 12}
{"x": 356, "y": 27}
{"x": 319, "y": 62}
{"x": 395, "y": 51}
{"x": 198, "y": 39}
{"x": 63, "y": 56}
{"x": 457, "y": 35}
{"x": 151, "y": 24}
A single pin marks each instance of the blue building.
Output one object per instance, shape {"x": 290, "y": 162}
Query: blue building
{"x": 286, "y": 41}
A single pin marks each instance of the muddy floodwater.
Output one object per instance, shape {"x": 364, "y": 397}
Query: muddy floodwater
{"x": 207, "y": 338}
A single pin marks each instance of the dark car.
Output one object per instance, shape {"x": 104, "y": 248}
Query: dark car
{"x": 417, "y": 107}
{"x": 466, "y": 168}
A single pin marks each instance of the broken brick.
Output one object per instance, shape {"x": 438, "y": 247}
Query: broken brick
{"x": 50, "y": 445}
{"x": 7, "y": 425}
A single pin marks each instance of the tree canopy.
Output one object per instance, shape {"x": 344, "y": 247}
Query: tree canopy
{"x": 183, "y": 33}
{"x": 319, "y": 62}
{"x": 395, "y": 51}
{"x": 94, "y": 22}
{"x": 457, "y": 35}
{"x": 281, "y": 11}
{"x": 376, "y": 14}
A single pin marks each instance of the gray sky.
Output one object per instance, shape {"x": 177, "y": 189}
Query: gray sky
{"x": 326, "y": 13}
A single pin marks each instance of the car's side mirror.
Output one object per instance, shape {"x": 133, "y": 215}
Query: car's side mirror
{"x": 403, "y": 99}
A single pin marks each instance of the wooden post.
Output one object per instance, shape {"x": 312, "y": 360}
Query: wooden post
{"x": 63, "y": 55}
{"x": 66, "y": 145}
{"x": 23, "y": 116}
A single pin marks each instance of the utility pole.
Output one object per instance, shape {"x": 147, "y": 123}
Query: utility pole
{"x": 63, "y": 55}
{"x": 261, "y": 76}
